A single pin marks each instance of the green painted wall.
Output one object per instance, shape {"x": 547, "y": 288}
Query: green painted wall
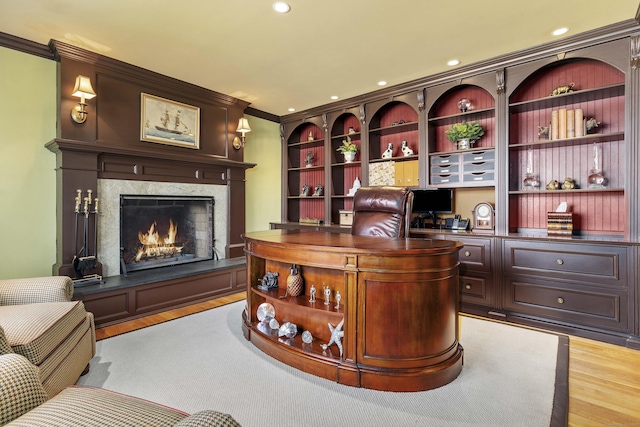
{"x": 27, "y": 168}
{"x": 263, "y": 186}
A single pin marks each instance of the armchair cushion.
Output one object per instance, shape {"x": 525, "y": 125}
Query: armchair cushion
{"x": 36, "y": 330}
{"x": 208, "y": 418}
{"x": 5, "y": 348}
{"x": 20, "y": 387}
{"x": 37, "y": 289}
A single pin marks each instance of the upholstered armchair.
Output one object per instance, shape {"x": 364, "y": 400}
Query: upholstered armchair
{"x": 25, "y": 403}
{"x": 382, "y": 211}
{"x": 39, "y": 321}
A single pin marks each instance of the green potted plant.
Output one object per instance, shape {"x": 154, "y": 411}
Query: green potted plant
{"x": 348, "y": 149}
{"x": 464, "y": 134}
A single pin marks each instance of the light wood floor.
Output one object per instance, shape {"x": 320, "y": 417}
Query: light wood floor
{"x": 604, "y": 379}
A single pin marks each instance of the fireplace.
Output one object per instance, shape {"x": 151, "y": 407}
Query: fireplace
{"x": 158, "y": 231}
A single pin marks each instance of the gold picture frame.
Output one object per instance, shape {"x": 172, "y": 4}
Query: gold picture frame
{"x": 169, "y": 122}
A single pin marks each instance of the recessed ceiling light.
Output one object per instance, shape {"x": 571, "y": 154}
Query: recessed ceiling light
{"x": 292, "y": 109}
{"x": 560, "y": 31}
{"x": 334, "y": 97}
{"x": 453, "y": 62}
{"x": 281, "y": 7}
{"x": 382, "y": 83}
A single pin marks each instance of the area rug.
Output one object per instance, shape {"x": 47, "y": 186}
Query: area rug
{"x": 511, "y": 377}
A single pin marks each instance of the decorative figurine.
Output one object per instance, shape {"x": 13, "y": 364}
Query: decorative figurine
{"x": 351, "y": 130}
{"x": 327, "y": 295}
{"x": 309, "y": 160}
{"x": 406, "y": 150}
{"x": 310, "y": 138}
{"x": 543, "y": 132}
{"x": 305, "y": 190}
{"x": 336, "y": 335}
{"x": 312, "y": 294}
{"x": 354, "y": 188}
{"x": 388, "y": 153}
{"x": 591, "y": 124}
{"x": 552, "y": 185}
{"x": 464, "y": 104}
{"x": 338, "y": 299}
{"x": 568, "y": 184}
{"x": 295, "y": 283}
{"x": 563, "y": 89}
{"x": 269, "y": 281}
{"x": 318, "y": 191}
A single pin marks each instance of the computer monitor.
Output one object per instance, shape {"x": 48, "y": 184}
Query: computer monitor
{"x": 432, "y": 201}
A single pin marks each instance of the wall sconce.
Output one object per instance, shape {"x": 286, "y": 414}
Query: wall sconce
{"x": 243, "y": 127}
{"x": 83, "y": 90}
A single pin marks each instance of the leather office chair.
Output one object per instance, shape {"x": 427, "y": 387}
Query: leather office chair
{"x": 382, "y": 211}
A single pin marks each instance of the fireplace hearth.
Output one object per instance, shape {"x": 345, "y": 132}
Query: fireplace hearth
{"x": 159, "y": 231}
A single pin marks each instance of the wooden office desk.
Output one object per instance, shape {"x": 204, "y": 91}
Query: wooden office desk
{"x": 399, "y": 306}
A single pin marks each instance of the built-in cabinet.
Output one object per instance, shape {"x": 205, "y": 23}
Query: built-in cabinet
{"x": 567, "y": 116}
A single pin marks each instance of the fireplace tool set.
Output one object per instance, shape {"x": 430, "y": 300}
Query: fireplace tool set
{"x": 84, "y": 259}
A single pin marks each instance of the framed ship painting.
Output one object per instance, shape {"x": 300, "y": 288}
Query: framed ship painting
{"x": 169, "y": 122}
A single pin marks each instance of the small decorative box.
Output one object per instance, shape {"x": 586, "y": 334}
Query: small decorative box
{"x": 346, "y": 217}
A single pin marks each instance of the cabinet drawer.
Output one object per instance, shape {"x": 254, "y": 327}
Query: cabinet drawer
{"x": 479, "y": 166}
{"x": 472, "y": 286}
{"x": 445, "y": 179}
{"x": 600, "y": 264}
{"x": 445, "y": 169}
{"x": 445, "y": 159}
{"x": 475, "y": 254}
{"x": 570, "y": 302}
{"x": 479, "y": 155}
{"x": 478, "y": 177}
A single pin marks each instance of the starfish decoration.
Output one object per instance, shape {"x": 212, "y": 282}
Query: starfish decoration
{"x": 336, "y": 335}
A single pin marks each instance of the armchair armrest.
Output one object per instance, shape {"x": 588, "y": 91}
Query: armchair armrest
{"x": 208, "y": 418}
{"x": 20, "y": 387}
{"x": 36, "y": 289}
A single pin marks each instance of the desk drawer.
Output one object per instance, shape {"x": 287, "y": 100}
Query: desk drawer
{"x": 472, "y": 286}
{"x": 571, "y": 302}
{"x": 602, "y": 264}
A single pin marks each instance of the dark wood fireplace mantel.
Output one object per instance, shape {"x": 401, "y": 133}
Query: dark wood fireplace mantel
{"x": 108, "y": 146}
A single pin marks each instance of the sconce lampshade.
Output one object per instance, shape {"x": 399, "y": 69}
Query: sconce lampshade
{"x": 83, "y": 88}
{"x": 243, "y": 126}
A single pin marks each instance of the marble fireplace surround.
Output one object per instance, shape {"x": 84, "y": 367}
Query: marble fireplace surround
{"x": 109, "y": 218}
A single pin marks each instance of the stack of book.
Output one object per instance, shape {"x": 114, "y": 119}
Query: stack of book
{"x": 559, "y": 224}
{"x": 567, "y": 124}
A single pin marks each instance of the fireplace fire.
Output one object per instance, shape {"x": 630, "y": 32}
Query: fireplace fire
{"x": 157, "y": 231}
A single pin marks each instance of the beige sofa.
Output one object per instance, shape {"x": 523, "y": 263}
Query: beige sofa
{"x": 39, "y": 321}
{"x": 25, "y": 403}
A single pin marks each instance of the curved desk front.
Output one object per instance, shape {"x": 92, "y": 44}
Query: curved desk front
{"x": 399, "y": 303}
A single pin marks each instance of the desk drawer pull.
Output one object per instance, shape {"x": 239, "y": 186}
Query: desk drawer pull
{"x": 559, "y": 261}
{"x": 467, "y": 253}
{"x": 560, "y": 300}
{"x": 467, "y": 286}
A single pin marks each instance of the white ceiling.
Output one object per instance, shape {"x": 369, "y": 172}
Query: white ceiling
{"x": 244, "y": 49}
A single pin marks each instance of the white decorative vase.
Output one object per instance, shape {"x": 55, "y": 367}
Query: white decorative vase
{"x": 465, "y": 143}
{"x": 349, "y": 156}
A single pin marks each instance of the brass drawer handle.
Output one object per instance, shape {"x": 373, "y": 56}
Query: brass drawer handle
{"x": 560, "y": 300}
{"x": 467, "y": 286}
{"x": 559, "y": 261}
{"x": 467, "y": 253}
